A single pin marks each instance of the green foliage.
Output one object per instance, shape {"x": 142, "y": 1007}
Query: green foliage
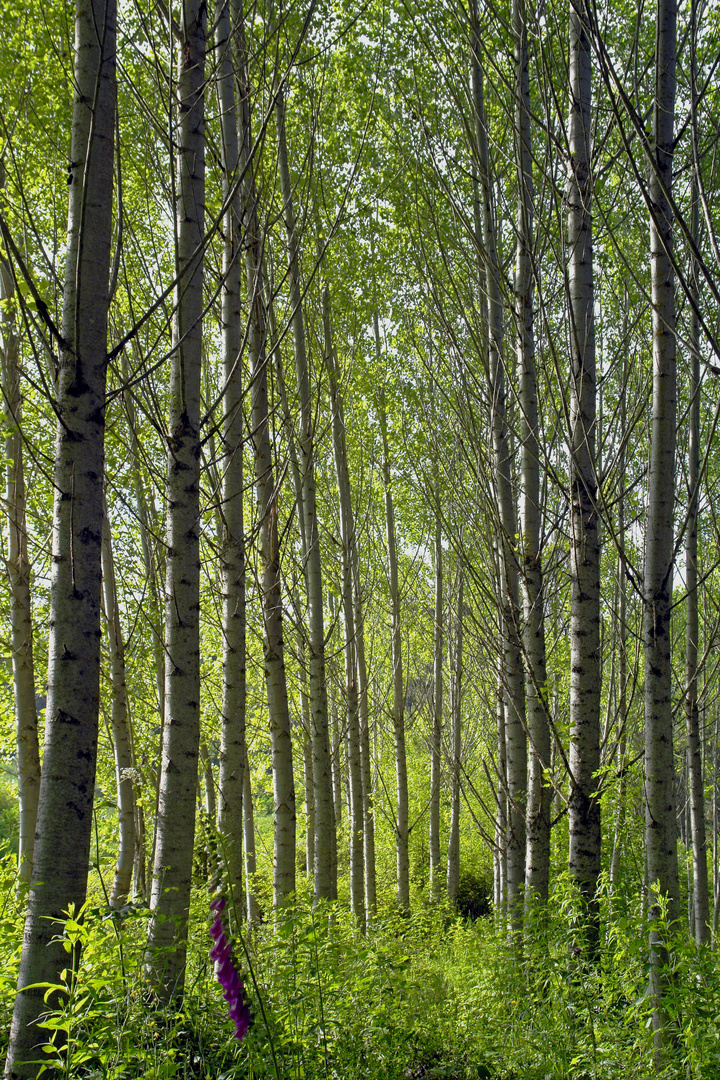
{"x": 418, "y": 998}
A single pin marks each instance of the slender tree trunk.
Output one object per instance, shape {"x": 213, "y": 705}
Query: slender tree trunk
{"x": 267, "y": 514}
{"x": 437, "y": 710}
{"x": 696, "y": 791}
{"x": 537, "y": 853}
{"x": 175, "y": 828}
{"x": 120, "y": 723}
{"x": 63, "y": 830}
{"x": 366, "y": 754}
{"x": 19, "y": 576}
{"x": 660, "y": 820}
{"x": 584, "y": 804}
{"x": 453, "y": 861}
{"x": 513, "y": 678}
{"x": 324, "y": 822}
{"x": 253, "y": 907}
{"x": 398, "y": 695}
{"x": 146, "y": 521}
{"x": 501, "y": 822}
{"x": 347, "y": 539}
{"x": 623, "y": 637}
{"x": 309, "y": 786}
{"x": 233, "y": 747}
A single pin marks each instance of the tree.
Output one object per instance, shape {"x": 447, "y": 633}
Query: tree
{"x": 660, "y": 821}
{"x": 584, "y": 805}
{"x": 63, "y": 831}
{"x": 175, "y": 824}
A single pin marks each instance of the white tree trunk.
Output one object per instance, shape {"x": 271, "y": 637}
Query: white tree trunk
{"x": 537, "y": 853}
{"x": 267, "y": 515}
{"x": 366, "y": 758}
{"x": 513, "y": 677}
{"x": 622, "y": 676}
{"x": 19, "y": 576}
{"x": 125, "y": 772}
{"x": 347, "y": 540}
{"x": 696, "y": 791}
{"x": 63, "y": 831}
{"x": 660, "y": 820}
{"x": 324, "y": 877}
{"x": 436, "y": 881}
{"x": 175, "y": 827}
{"x": 585, "y": 678}
{"x": 398, "y": 686}
{"x": 453, "y": 860}
{"x": 233, "y": 747}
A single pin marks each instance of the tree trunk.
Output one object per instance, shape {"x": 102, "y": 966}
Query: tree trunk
{"x": 660, "y": 820}
{"x": 513, "y": 678}
{"x": 696, "y": 791}
{"x": 233, "y": 747}
{"x": 347, "y": 540}
{"x": 584, "y": 804}
{"x": 537, "y": 853}
{"x": 501, "y": 827}
{"x": 398, "y": 694}
{"x": 453, "y": 861}
{"x": 253, "y": 907}
{"x": 63, "y": 831}
{"x": 366, "y": 753}
{"x": 175, "y": 828}
{"x": 622, "y": 676}
{"x": 19, "y": 576}
{"x": 437, "y": 710}
{"x": 324, "y": 821}
{"x": 267, "y": 514}
{"x": 120, "y": 723}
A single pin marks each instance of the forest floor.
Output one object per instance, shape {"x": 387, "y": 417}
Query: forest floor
{"x": 415, "y": 998}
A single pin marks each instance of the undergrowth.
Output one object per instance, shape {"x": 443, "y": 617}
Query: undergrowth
{"x": 421, "y": 998}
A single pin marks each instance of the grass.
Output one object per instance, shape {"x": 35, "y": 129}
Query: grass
{"x": 422, "y": 998}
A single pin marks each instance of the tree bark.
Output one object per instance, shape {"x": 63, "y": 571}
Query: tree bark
{"x": 266, "y": 496}
{"x": 233, "y": 746}
{"x": 537, "y": 852}
{"x": 175, "y": 827}
{"x": 63, "y": 831}
{"x": 696, "y": 790}
{"x": 19, "y": 577}
{"x": 398, "y": 693}
{"x": 622, "y": 708}
{"x": 660, "y": 820}
{"x": 585, "y": 676}
{"x": 347, "y": 540}
{"x": 366, "y": 756}
{"x": 513, "y": 677}
{"x": 437, "y": 710}
{"x": 125, "y": 771}
{"x": 453, "y": 860}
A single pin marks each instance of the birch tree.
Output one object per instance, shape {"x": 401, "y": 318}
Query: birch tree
{"x": 660, "y": 823}
{"x": 584, "y": 805}
{"x": 347, "y": 540}
{"x": 63, "y": 831}
{"x": 324, "y": 818}
{"x": 537, "y": 857}
{"x": 175, "y": 823}
{"x": 398, "y": 685}
{"x": 233, "y": 748}
{"x": 19, "y": 575}
{"x": 120, "y": 728}
{"x": 515, "y": 748}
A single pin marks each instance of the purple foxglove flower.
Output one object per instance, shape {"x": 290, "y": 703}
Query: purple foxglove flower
{"x": 226, "y": 973}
